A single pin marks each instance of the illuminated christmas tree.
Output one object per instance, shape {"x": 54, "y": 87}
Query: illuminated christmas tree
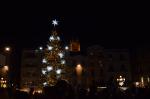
{"x": 53, "y": 59}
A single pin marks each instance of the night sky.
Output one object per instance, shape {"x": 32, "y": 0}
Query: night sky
{"x": 27, "y": 24}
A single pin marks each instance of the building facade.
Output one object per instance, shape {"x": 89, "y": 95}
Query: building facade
{"x": 30, "y": 69}
{"x": 98, "y": 66}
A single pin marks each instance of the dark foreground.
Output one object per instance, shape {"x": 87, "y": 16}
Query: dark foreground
{"x": 65, "y": 91}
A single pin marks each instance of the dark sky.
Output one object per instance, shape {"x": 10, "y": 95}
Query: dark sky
{"x": 28, "y": 24}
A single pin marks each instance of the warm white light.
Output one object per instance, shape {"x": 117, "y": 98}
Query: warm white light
{"x": 39, "y": 91}
{"x": 121, "y": 80}
{"x": 63, "y": 61}
{"x": 43, "y": 72}
{"x": 4, "y": 85}
{"x": 51, "y": 38}
{"x": 79, "y": 69}
{"x": 142, "y": 79}
{"x": 123, "y": 88}
{"x": 7, "y": 48}
{"x": 58, "y": 71}
{"x": 49, "y": 47}
{"x": 25, "y": 90}
{"x": 60, "y": 55}
{"x": 137, "y": 84}
{"x": 66, "y": 47}
{"x": 148, "y": 80}
{"x": 49, "y": 68}
{"x": 2, "y": 78}
{"x": 45, "y": 83}
{"x": 121, "y": 83}
{"x": 6, "y": 68}
{"x": 40, "y": 48}
{"x": 55, "y": 22}
{"x": 44, "y": 60}
{"x": 58, "y": 38}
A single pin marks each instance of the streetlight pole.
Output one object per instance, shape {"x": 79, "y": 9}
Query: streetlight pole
{"x": 79, "y": 69}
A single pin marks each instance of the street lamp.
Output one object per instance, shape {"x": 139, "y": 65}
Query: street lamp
{"x": 7, "y": 49}
{"x": 5, "y": 69}
{"x": 79, "y": 69}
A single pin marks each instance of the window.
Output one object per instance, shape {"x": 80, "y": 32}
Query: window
{"x": 111, "y": 68}
{"x": 122, "y": 57}
{"x": 110, "y": 55}
{"x": 30, "y": 65}
{"x": 30, "y": 55}
{"x": 123, "y": 68}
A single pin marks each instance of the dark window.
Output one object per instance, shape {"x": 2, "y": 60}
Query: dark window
{"x": 110, "y": 55}
{"x": 123, "y": 68}
{"x": 92, "y": 73}
{"x": 34, "y": 74}
{"x": 30, "y": 65}
{"x": 30, "y": 55}
{"x": 122, "y": 57}
{"x": 111, "y": 68}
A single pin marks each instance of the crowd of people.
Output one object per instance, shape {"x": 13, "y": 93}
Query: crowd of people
{"x": 63, "y": 90}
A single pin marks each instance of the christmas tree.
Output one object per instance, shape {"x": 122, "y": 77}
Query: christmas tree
{"x": 53, "y": 59}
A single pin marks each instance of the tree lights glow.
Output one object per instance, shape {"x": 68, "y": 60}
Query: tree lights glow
{"x": 54, "y": 22}
{"x": 61, "y": 55}
{"x": 66, "y": 47}
{"x": 49, "y": 68}
{"x": 49, "y": 47}
{"x": 58, "y": 71}
{"x": 51, "y": 38}
{"x": 41, "y": 48}
{"x": 44, "y": 60}
{"x": 53, "y": 59}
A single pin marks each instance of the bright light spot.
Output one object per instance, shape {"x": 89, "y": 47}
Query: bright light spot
{"x": 55, "y": 22}
{"x": 121, "y": 80}
{"x": 79, "y": 69}
{"x": 25, "y": 90}
{"x": 142, "y": 79}
{"x": 137, "y": 84}
{"x": 7, "y": 48}
{"x": 49, "y": 47}
{"x": 58, "y": 71}
{"x": 124, "y": 88}
{"x": 39, "y": 91}
{"x": 51, "y": 38}
{"x": 49, "y": 68}
{"x": 45, "y": 83}
{"x": 4, "y": 85}
{"x": 60, "y": 55}
{"x": 121, "y": 83}
{"x": 148, "y": 80}
{"x": 63, "y": 61}
{"x": 40, "y": 48}
{"x": 66, "y": 47}
{"x": 101, "y": 87}
{"x": 44, "y": 60}
{"x": 58, "y": 38}
{"x": 43, "y": 72}
{"x": 6, "y": 68}
{"x": 2, "y": 78}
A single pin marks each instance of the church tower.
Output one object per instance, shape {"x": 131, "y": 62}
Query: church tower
{"x": 74, "y": 46}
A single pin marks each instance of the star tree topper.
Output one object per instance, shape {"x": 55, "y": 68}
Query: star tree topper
{"x": 54, "y": 22}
